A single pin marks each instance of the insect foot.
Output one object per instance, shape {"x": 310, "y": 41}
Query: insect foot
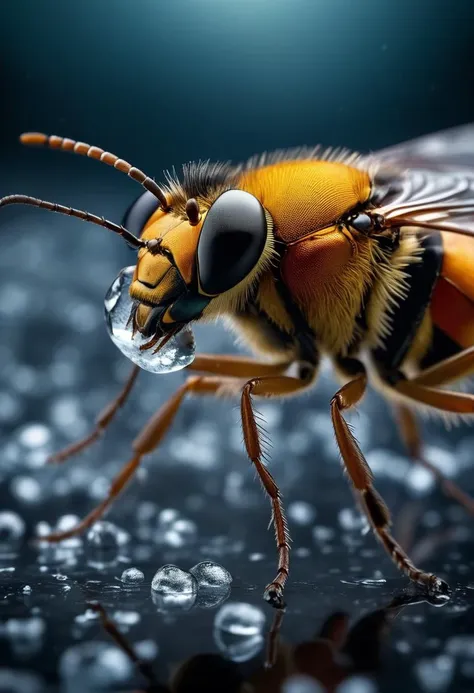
{"x": 274, "y": 595}
{"x": 437, "y": 587}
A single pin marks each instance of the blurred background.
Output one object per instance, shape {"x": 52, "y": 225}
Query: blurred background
{"x": 161, "y": 83}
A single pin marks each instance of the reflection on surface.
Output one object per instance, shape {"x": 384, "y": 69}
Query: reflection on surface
{"x": 338, "y": 652}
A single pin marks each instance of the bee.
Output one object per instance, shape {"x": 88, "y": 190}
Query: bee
{"x": 367, "y": 260}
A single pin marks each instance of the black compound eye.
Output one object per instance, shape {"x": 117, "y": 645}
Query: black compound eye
{"x": 361, "y": 222}
{"x": 232, "y": 240}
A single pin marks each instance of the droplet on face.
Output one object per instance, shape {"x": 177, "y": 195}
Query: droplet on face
{"x": 177, "y": 354}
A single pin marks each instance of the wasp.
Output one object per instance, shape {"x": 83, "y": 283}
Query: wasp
{"x": 367, "y": 260}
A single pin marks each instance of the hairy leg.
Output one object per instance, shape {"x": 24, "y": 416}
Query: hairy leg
{"x": 103, "y": 420}
{"x": 410, "y": 434}
{"x": 238, "y": 367}
{"x": 269, "y": 386}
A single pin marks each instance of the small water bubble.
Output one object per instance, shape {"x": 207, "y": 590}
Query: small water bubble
{"x": 299, "y": 683}
{"x": 35, "y": 444}
{"x": 132, "y": 576}
{"x": 19, "y": 682}
{"x": 106, "y": 535}
{"x": 255, "y": 557}
{"x": 146, "y": 650}
{"x": 89, "y": 616}
{"x": 27, "y": 589}
{"x": 238, "y": 630}
{"x": 435, "y": 675}
{"x": 172, "y": 580}
{"x": 352, "y": 521}
{"x": 34, "y": 435}
{"x": 94, "y": 666}
{"x": 461, "y": 646}
{"x": 25, "y": 635}
{"x": 12, "y": 527}
{"x": 126, "y": 618}
{"x": 26, "y": 490}
{"x": 420, "y": 480}
{"x": 60, "y": 577}
{"x": 301, "y": 513}
{"x": 366, "y": 582}
{"x": 240, "y": 618}
{"x": 187, "y": 530}
{"x": 357, "y": 684}
{"x": 323, "y": 534}
{"x": 210, "y": 574}
{"x": 178, "y": 353}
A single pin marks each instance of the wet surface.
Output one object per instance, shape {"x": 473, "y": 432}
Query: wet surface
{"x": 196, "y": 499}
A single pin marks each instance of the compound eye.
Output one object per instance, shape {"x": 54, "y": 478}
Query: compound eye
{"x": 362, "y": 223}
{"x": 231, "y": 242}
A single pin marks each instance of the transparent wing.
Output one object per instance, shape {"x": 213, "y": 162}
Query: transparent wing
{"x": 429, "y": 181}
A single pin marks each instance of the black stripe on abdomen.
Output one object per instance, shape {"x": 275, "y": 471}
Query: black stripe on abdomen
{"x": 407, "y": 316}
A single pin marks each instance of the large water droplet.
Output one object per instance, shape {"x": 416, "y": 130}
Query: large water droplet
{"x": 171, "y": 579}
{"x": 210, "y": 574}
{"x": 238, "y": 631}
{"x": 178, "y": 352}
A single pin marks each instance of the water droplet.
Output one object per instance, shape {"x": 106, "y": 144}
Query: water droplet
{"x": 89, "y": 616}
{"x": 12, "y": 527}
{"x": 132, "y": 576}
{"x": 301, "y": 513}
{"x": 238, "y": 630}
{"x": 126, "y": 618}
{"x": 27, "y": 589}
{"x": 177, "y": 354}
{"x": 255, "y": 557}
{"x": 366, "y": 582}
{"x": 301, "y": 684}
{"x": 357, "y": 684}
{"x": 461, "y": 646}
{"x": 25, "y": 635}
{"x": 172, "y": 580}
{"x": 26, "y": 489}
{"x": 210, "y": 574}
{"x": 436, "y": 674}
{"x": 352, "y": 521}
{"x": 322, "y": 534}
{"x": 106, "y": 535}
{"x": 240, "y": 618}
{"x": 19, "y": 682}
{"x": 146, "y": 649}
{"x": 94, "y": 666}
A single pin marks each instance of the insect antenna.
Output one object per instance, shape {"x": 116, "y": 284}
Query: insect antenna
{"x": 71, "y": 212}
{"x": 84, "y": 149}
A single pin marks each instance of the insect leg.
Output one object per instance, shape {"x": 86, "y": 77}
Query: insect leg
{"x": 410, "y": 434}
{"x": 456, "y": 367}
{"x": 362, "y": 478}
{"x": 103, "y": 420}
{"x": 445, "y": 400}
{"x": 234, "y": 366}
{"x": 269, "y": 386}
{"x": 146, "y": 441}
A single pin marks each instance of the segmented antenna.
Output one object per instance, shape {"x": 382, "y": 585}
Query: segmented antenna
{"x": 84, "y": 149}
{"x": 71, "y": 212}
